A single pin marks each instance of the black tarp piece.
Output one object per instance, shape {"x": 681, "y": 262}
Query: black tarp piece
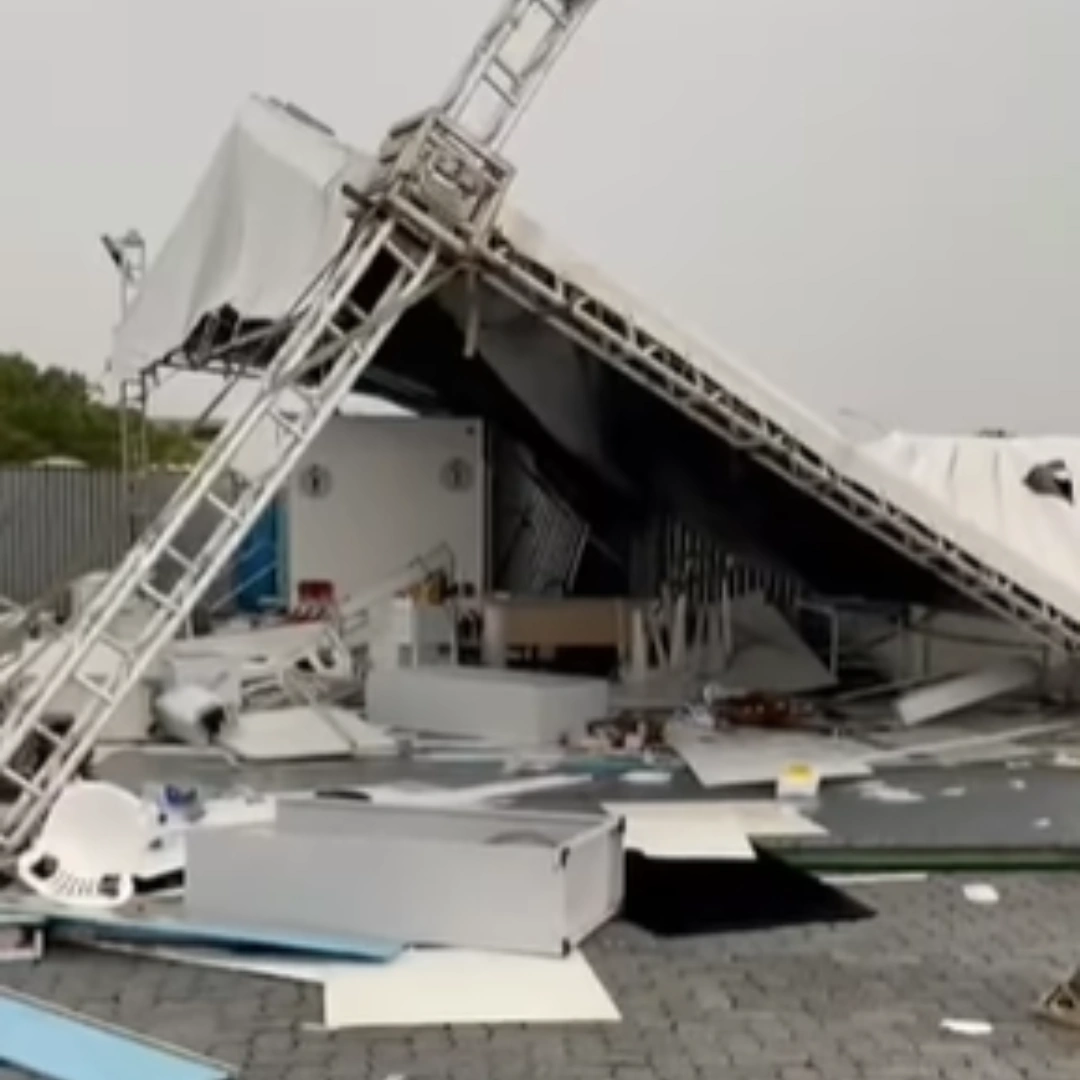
{"x": 675, "y": 898}
{"x": 1051, "y": 478}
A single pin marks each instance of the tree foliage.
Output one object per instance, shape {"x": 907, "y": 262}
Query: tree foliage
{"x": 50, "y": 412}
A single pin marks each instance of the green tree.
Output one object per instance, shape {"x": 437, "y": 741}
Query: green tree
{"x": 53, "y": 413}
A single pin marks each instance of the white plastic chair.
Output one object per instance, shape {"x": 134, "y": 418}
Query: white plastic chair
{"x": 92, "y": 845}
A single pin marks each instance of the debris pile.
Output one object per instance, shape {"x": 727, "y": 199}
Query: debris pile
{"x": 299, "y": 809}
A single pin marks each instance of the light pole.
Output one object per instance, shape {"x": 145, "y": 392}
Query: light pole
{"x": 127, "y": 253}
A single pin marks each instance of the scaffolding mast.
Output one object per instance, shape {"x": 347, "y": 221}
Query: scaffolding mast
{"x": 427, "y": 215}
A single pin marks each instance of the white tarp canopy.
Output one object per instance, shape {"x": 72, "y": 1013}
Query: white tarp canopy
{"x": 264, "y": 221}
{"x": 267, "y": 218}
{"x": 983, "y": 482}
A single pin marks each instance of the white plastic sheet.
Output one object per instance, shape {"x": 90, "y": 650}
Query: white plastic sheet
{"x": 267, "y": 216}
{"x": 981, "y": 481}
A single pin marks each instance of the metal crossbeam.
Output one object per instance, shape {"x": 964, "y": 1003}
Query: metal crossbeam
{"x": 424, "y": 217}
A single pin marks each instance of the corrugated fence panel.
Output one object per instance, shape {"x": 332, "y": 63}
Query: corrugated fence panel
{"x": 57, "y": 523}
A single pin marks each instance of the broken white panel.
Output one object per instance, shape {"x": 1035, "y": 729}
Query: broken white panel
{"x": 954, "y": 695}
{"x": 305, "y": 733}
{"x": 883, "y": 792}
{"x": 769, "y": 656}
{"x": 954, "y": 746}
{"x": 737, "y": 758}
{"x": 527, "y": 708}
{"x": 760, "y": 819}
{"x": 432, "y": 795}
{"x": 982, "y": 894}
{"x": 971, "y": 1028}
{"x": 513, "y": 880}
{"x": 686, "y": 838}
{"x": 437, "y": 987}
{"x": 852, "y": 880}
{"x": 424, "y": 987}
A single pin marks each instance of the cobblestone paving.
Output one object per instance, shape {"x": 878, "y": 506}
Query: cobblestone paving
{"x": 817, "y": 1003}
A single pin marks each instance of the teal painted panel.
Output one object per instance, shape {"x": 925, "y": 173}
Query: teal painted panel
{"x": 59, "y": 1046}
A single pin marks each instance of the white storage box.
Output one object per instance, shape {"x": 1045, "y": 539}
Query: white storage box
{"x": 520, "y": 707}
{"x": 515, "y": 881}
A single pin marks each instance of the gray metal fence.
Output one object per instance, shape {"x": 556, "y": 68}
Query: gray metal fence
{"x": 58, "y": 523}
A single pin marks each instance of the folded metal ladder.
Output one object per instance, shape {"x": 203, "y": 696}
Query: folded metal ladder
{"x": 434, "y": 200}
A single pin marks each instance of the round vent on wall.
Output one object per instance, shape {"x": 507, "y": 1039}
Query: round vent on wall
{"x": 315, "y": 481}
{"x": 457, "y": 475}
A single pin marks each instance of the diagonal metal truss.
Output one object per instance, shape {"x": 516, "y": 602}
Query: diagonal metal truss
{"x": 613, "y": 335}
{"x": 433, "y": 202}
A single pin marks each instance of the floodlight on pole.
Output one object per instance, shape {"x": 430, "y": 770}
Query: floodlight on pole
{"x": 127, "y": 253}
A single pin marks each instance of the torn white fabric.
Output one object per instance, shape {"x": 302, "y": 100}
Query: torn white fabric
{"x": 263, "y": 223}
{"x": 982, "y": 481}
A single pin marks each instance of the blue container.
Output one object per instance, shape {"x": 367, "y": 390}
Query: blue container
{"x": 258, "y": 577}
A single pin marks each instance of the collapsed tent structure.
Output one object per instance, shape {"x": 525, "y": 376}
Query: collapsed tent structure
{"x": 871, "y": 521}
{"x": 318, "y": 271}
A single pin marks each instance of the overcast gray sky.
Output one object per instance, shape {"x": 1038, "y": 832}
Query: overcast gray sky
{"x": 875, "y": 202}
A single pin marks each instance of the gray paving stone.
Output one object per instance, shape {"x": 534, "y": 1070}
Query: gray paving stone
{"x": 850, "y": 1002}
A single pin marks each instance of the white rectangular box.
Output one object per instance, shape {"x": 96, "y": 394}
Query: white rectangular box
{"x": 521, "y": 707}
{"x": 515, "y": 881}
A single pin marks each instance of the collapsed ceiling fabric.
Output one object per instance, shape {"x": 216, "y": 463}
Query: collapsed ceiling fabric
{"x": 984, "y": 481}
{"x": 265, "y": 220}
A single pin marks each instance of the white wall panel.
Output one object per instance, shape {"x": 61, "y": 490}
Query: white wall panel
{"x": 374, "y": 493}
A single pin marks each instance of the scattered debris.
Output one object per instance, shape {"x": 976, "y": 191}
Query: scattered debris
{"x": 1018, "y": 785}
{"x": 898, "y": 878}
{"x": 884, "y": 792}
{"x": 971, "y": 748}
{"x": 1062, "y": 1004}
{"x": 985, "y": 895}
{"x": 954, "y": 792}
{"x": 971, "y": 1028}
{"x": 736, "y": 758}
{"x": 927, "y": 703}
{"x": 647, "y": 777}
